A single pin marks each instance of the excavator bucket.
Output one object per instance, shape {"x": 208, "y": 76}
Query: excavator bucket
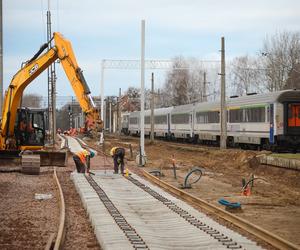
{"x": 30, "y": 162}
{"x": 53, "y": 158}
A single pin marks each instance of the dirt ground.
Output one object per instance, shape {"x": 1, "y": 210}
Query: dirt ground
{"x": 26, "y": 223}
{"x": 274, "y": 203}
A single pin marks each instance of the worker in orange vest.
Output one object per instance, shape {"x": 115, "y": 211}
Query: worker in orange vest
{"x": 80, "y": 159}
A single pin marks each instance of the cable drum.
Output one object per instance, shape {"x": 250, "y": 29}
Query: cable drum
{"x": 192, "y": 177}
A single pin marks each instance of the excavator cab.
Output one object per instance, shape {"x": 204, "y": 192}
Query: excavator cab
{"x": 30, "y": 128}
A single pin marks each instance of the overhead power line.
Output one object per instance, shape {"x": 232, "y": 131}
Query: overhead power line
{"x": 149, "y": 64}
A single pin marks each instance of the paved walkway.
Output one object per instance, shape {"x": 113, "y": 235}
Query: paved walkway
{"x": 155, "y": 223}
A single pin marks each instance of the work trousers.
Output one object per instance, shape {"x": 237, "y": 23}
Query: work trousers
{"x": 79, "y": 164}
{"x": 119, "y": 156}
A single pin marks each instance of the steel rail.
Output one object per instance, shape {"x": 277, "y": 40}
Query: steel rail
{"x": 217, "y": 235}
{"x": 130, "y": 232}
{"x": 62, "y": 220}
{"x": 255, "y": 230}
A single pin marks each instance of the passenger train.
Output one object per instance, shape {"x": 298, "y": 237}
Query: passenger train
{"x": 267, "y": 121}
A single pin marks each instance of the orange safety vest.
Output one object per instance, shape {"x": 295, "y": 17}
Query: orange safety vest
{"x": 81, "y": 156}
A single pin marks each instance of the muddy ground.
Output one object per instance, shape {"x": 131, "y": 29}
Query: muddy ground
{"x": 274, "y": 203}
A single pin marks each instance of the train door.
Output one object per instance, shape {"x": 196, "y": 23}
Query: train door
{"x": 191, "y": 125}
{"x": 293, "y": 119}
{"x": 169, "y": 123}
{"x": 271, "y": 134}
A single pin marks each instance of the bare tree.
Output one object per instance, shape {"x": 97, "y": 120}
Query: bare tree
{"x": 186, "y": 82}
{"x": 32, "y": 100}
{"x": 293, "y": 81}
{"x": 246, "y": 76}
{"x": 196, "y": 89}
{"x": 281, "y": 54}
{"x": 176, "y": 86}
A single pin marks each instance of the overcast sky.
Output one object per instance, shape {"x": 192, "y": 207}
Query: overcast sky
{"x": 111, "y": 30}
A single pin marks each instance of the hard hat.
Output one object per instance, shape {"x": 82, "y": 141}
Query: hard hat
{"x": 85, "y": 152}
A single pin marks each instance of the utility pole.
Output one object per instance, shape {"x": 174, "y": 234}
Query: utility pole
{"x": 119, "y": 113}
{"x": 71, "y": 113}
{"x": 204, "y": 96}
{"x": 1, "y": 58}
{"x": 152, "y": 108}
{"x": 51, "y": 84}
{"x": 110, "y": 113}
{"x": 102, "y": 102}
{"x": 223, "y": 112}
{"x": 142, "y": 116}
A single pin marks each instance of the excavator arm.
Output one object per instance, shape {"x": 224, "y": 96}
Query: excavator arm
{"x": 63, "y": 51}
{"x": 81, "y": 89}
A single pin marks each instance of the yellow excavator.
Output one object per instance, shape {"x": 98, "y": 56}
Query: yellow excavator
{"x": 23, "y": 128}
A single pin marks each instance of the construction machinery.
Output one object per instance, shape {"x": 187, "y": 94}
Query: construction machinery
{"x": 23, "y": 128}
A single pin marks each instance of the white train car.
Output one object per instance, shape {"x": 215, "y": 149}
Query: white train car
{"x": 206, "y": 121}
{"x": 182, "y": 121}
{"x": 134, "y": 123}
{"x": 161, "y": 122}
{"x": 265, "y": 120}
{"x": 249, "y": 119}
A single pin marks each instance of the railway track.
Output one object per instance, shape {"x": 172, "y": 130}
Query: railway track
{"x": 139, "y": 215}
{"x": 56, "y": 241}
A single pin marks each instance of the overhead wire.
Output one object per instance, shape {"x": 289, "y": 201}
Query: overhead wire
{"x": 44, "y": 38}
{"x": 57, "y": 15}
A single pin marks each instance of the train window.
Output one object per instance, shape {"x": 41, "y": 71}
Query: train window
{"x": 236, "y": 115}
{"x": 255, "y": 114}
{"x": 160, "y": 119}
{"x": 180, "y": 118}
{"x": 208, "y": 117}
{"x": 147, "y": 119}
{"x": 294, "y": 115}
{"x": 133, "y": 120}
{"x": 201, "y": 117}
{"x": 213, "y": 117}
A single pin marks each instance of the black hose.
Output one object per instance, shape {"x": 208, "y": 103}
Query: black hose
{"x": 156, "y": 172}
{"x": 252, "y": 181}
{"x": 42, "y": 48}
{"x": 194, "y": 170}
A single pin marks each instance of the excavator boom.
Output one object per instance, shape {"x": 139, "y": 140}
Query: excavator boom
{"x": 63, "y": 51}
